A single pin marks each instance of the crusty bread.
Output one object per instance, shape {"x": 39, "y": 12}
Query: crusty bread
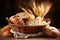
{"x": 5, "y": 31}
{"x": 51, "y": 31}
{"x": 25, "y": 15}
{"x": 17, "y": 20}
{"x": 5, "y": 28}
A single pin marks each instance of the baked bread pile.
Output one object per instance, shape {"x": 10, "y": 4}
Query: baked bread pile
{"x": 26, "y": 18}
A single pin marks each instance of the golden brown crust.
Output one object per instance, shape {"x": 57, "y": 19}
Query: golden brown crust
{"x": 51, "y": 32}
{"x": 17, "y": 20}
{"x": 6, "y": 33}
{"x": 5, "y": 28}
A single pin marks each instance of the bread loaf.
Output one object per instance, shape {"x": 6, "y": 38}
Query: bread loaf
{"x": 51, "y": 31}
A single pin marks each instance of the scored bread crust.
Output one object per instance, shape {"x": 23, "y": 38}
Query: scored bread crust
{"x": 17, "y": 20}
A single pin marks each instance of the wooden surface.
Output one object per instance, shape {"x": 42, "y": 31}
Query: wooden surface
{"x": 10, "y": 38}
{"x": 40, "y": 38}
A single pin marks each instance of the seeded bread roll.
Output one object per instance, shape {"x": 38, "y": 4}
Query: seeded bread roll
{"x": 51, "y": 31}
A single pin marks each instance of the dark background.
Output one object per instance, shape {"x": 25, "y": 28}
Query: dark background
{"x": 10, "y": 7}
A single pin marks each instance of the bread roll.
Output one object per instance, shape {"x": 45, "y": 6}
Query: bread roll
{"x": 39, "y": 18}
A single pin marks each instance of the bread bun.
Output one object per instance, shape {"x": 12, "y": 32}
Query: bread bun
{"x": 39, "y": 18}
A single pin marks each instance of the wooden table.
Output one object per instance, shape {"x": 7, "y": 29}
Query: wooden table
{"x": 40, "y": 38}
{"x": 11, "y": 38}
